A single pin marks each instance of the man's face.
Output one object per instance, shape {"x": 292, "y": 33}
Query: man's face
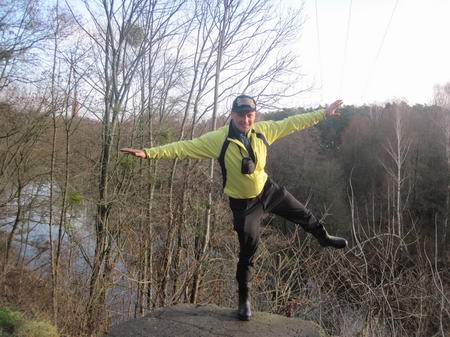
{"x": 243, "y": 121}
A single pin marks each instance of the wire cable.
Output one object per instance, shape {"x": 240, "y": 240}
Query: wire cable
{"x": 345, "y": 47}
{"x": 319, "y": 53}
{"x": 372, "y": 69}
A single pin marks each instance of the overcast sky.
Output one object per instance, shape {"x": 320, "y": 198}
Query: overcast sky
{"x": 414, "y": 57}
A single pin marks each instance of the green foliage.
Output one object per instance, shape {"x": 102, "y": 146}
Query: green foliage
{"x": 5, "y": 54}
{"x": 36, "y": 329}
{"x": 332, "y": 129}
{"x": 8, "y": 321}
{"x": 165, "y": 136}
{"x": 127, "y": 163}
{"x": 135, "y": 35}
{"x": 281, "y": 114}
{"x": 117, "y": 108}
{"x": 75, "y": 198}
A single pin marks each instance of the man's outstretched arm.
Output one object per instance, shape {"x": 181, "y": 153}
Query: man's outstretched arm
{"x": 274, "y": 130}
{"x": 203, "y": 147}
{"x": 134, "y": 152}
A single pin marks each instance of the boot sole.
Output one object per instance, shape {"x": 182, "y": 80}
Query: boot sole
{"x": 244, "y": 318}
{"x": 336, "y": 246}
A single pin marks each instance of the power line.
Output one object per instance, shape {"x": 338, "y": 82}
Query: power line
{"x": 319, "y": 53}
{"x": 372, "y": 69}
{"x": 346, "y": 46}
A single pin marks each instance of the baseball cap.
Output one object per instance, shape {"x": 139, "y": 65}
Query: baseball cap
{"x": 244, "y": 104}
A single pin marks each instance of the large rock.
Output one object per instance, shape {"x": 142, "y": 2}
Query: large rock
{"x": 186, "y": 320}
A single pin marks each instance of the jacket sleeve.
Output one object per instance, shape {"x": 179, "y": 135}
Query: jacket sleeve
{"x": 274, "y": 130}
{"x": 203, "y": 147}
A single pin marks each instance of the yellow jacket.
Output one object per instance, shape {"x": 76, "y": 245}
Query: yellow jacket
{"x": 209, "y": 145}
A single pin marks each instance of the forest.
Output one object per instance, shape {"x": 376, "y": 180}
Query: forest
{"x": 91, "y": 237}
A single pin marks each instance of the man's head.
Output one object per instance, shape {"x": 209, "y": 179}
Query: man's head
{"x": 243, "y": 112}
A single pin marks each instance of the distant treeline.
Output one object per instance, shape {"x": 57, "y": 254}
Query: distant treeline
{"x": 393, "y": 160}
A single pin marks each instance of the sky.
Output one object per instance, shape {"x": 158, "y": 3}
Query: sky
{"x": 384, "y": 50}
{"x": 371, "y": 51}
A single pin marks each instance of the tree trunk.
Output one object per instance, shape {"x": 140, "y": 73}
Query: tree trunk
{"x": 446, "y": 228}
{"x": 207, "y": 221}
{"x": 399, "y": 164}
{"x": 16, "y": 222}
{"x": 63, "y": 213}
{"x": 52, "y": 171}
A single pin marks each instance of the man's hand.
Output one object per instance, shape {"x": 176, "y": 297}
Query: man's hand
{"x": 331, "y": 109}
{"x": 134, "y": 152}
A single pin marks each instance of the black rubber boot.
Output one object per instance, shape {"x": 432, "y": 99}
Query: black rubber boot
{"x": 244, "y": 309}
{"x": 326, "y": 240}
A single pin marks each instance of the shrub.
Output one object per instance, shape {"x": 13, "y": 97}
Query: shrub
{"x": 36, "y": 329}
{"x": 8, "y": 321}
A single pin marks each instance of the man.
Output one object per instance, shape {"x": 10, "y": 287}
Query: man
{"x": 241, "y": 148}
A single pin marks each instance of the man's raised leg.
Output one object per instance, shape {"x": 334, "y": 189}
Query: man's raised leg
{"x": 293, "y": 210}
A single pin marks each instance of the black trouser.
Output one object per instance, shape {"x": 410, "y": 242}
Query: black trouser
{"x": 247, "y": 216}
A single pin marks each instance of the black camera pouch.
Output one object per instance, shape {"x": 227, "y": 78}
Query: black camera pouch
{"x": 247, "y": 166}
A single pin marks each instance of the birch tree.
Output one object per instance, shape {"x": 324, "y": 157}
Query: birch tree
{"x": 120, "y": 41}
{"x": 120, "y": 47}
{"x": 397, "y": 151}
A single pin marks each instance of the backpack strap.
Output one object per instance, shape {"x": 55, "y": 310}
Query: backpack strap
{"x": 262, "y": 137}
{"x": 221, "y": 158}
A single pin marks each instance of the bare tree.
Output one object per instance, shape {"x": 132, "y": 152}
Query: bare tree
{"x": 23, "y": 131}
{"x": 54, "y": 113}
{"x": 121, "y": 41}
{"x": 201, "y": 250}
{"x": 120, "y": 59}
{"x": 23, "y": 28}
{"x": 442, "y": 99}
{"x": 398, "y": 152}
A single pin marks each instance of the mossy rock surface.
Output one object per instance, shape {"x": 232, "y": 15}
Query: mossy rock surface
{"x": 187, "y": 320}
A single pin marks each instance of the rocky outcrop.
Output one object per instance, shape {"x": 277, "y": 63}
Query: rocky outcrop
{"x": 187, "y": 320}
